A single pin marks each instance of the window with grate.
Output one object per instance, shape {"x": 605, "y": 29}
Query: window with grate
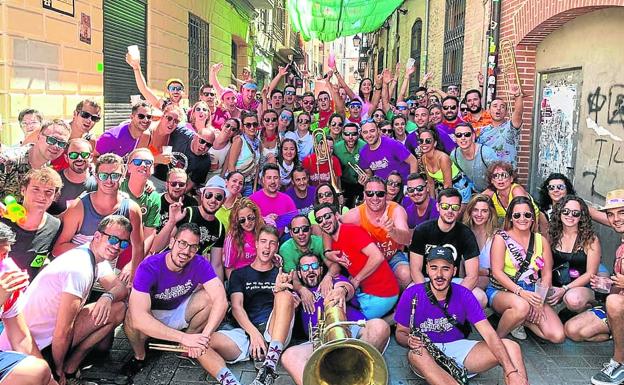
{"x": 380, "y": 60}
{"x": 415, "y": 54}
{"x": 234, "y": 55}
{"x": 453, "y": 42}
{"x": 198, "y": 55}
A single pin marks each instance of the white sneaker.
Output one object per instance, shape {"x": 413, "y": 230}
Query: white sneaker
{"x": 519, "y": 333}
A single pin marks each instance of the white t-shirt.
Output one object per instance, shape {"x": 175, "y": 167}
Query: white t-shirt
{"x": 71, "y": 272}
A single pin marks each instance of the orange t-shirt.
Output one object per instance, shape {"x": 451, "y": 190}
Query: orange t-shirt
{"x": 386, "y": 244}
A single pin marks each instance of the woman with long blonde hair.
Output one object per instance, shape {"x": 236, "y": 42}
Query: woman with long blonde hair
{"x": 239, "y": 247}
{"x": 480, "y": 217}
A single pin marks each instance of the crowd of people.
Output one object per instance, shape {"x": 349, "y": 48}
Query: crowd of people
{"x": 226, "y": 228}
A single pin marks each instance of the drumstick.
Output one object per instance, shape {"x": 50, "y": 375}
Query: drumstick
{"x": 168, "y": 348}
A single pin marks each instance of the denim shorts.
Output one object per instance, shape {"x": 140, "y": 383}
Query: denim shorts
{"x": 398, "y": 259}
{"x": 491, "y": 291}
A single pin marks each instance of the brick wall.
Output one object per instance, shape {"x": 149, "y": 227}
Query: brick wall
{"x": 525, "y": 23}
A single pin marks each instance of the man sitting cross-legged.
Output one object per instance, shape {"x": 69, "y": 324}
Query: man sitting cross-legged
{"x": 263, "y": 306}
{"x": 442, "y": 311}
{"x": 173, "y": 291}
{"x": 310, "y": 270}
{"x": 62, "y": 326}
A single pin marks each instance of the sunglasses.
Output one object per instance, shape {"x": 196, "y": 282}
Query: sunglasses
{"x": 217, "y": 196}
{"x": 454, "y": 207}
{"x": 463, "y": 109}
{"x": 74, "y": 155}
{"x": 308, "y": 102}
{"x": 500, "y": 175}
{"x": 379, "y": 116}
{"x": 355, "y": 105}
{"x": 574, "y": 213}
{"x": 305, "y": 121}
{"x": 394, "y": 184}
{"x": 464, "y": 134}
{"x": 386, "y": 130}
{"x": 378, "y": 194}
{"x": 286, "y": 117}
{"x": 103, "y": 176}
{"x": 300, "y": 229}
{"x": 401, "y": 108}
{"x": 201, "y": 109}
{"x": 184, "y": 244}
{"x": 446, "y": 108}
{"x": 177, "y": 184}
{"x": 308, "y": 266}
{"x": 140, "y": 162}
{"x": 144, "y": 116}
{"x": 251, "y": 125}
{"x": 553, "y": 187}
{"x": 427, "y": 140}
{"x": 242, "y": 220}
{"x": 172, "y": 119}
{"x": 411, "y": 190}
{"x": 86, "y": 115}
{"x": 289, "y": 92}
{"x": 527, "y": 215}
{"x": 204, "y": 142}
{"x": 208, "y": 94}
{"x": 326, "y": 194}
{"x": 323, "y": 217}
{"x": 114, "y": 240}
{"x": 270, "y": 120}
{"x": 334, "y": 124}
{"x": 175, "y": 88}
{"x": 52, "y": 141}
{"x": 352, "y": 133}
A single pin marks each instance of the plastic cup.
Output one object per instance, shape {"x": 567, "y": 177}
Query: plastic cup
{"x": 410, "y": 62}
{"x": 134, "y": 99}
{"x": 541, "y": 290}
{"x": 166, "y": 150}
{"x": 331, "y": 60}
{"x": 603, "y": 283}
{"x": 134, "y": 52}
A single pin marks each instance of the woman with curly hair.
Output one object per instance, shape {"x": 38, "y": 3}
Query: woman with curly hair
{"x": 239, "y": 247}
{"x": 480, "y": 217}
{"x": 553, "y": 189}
{"x": 576, "y": 253}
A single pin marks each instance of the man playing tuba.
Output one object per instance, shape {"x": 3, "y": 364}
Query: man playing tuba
{"x": 310, "y": 271}
{"x": 444, "y": 313}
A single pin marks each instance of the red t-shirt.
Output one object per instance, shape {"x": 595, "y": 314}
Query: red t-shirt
{"x": 316, "y": 178}
{"x": 351, "y": 240}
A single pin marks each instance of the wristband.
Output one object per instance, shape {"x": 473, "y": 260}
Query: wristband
{"x": 511, "y": 372}
{"x": 518, "y": 291}
{"x": 326, "y": 251}
{"x": 565, "y": 287}
{"x": 108, "y": 295}
{"x": 345, "y": 289}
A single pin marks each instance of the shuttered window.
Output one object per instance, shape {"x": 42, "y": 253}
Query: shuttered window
{"x": 198, "y": 55}
{"x": 415, "y": 53}
{"x": 453, "y": 42}
{"x": 125, "y": 23}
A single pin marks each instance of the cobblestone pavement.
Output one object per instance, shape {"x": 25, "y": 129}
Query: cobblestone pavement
{"x": 567, "y": 363}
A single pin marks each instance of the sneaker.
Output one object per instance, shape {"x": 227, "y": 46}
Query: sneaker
{"x": 265, "y": 376}
{"x": 519, "y": 333}
{"x": 611, "y": 373}
{"x": 132, "y": 367}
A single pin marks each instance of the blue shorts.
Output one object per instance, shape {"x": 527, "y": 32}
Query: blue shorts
{"x": 491, "y": 291}
{"x": 600, "y": 312}
{"x": 8, "y": 361}
{"x": 398, "y": 259}
{"x": 373, "y": 306}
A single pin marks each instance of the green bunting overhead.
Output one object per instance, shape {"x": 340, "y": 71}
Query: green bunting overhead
{"x": 327, "y": 20}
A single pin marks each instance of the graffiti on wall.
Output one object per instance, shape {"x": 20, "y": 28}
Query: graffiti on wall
{"x": 558, "y": 123}
{"x": 605, "y": 109}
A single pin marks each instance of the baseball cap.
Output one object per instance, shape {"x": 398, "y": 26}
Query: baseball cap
{"x": 441, "y": 252}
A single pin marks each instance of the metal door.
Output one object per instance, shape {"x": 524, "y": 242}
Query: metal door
{"x": 555, "y": 137}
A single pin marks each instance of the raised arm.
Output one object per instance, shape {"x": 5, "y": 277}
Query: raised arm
{"x": 147, "y": 92}
{"x": 214, "y": 78}
{"x": 405, "y": 84}
{"x": 377, "y": 88}
{"x": 281, "y": 72}
{"x": 339, "y": 103}
{"x": 344, "y": 85}
{"x": 516, "y": 117}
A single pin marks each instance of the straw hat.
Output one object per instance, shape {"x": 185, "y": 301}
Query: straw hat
{"x": 615, "y": 199}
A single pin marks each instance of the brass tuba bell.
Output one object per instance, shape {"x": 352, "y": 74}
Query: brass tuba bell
{"x": 321, "y": 149}
{"x": 339, "y": 359}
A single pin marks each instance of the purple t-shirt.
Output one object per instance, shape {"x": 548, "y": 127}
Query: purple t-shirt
{"x": 169, "y": 289}
{"x": 413, "y": 219}
{"x": 431, "y": 319}
{"x": 116, "y": 140}
{"x": 353, "y": 314}
{"x": 412, "y": 142}
{"x": 389, "y": 156}
{"x": 446, "y": 133}
{"x": 303, "y": 205}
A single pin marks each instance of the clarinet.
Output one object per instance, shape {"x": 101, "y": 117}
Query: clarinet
{"x": 449, "y": 365}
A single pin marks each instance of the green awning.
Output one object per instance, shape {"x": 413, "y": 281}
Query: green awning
{"x": 327, "y": 20}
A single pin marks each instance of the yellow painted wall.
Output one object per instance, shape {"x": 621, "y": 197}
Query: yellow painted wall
{"x": 436, "y": 40}
{"x": 568, "y": 47}
{"x": 43, "y": 63}
{"x": 415, "y": 10}
{"x": 475, "y": 27}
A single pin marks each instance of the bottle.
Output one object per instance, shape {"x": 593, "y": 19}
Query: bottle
{"x": 15, "y": 212}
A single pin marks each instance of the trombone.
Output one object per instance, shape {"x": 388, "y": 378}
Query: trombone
{"x": 358, "y": 170}
{"x": 321, "y": 150}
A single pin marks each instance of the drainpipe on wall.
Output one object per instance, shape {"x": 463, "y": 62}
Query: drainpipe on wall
{"x": 491, "y": 64}
{"x": 426, "y": 47}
